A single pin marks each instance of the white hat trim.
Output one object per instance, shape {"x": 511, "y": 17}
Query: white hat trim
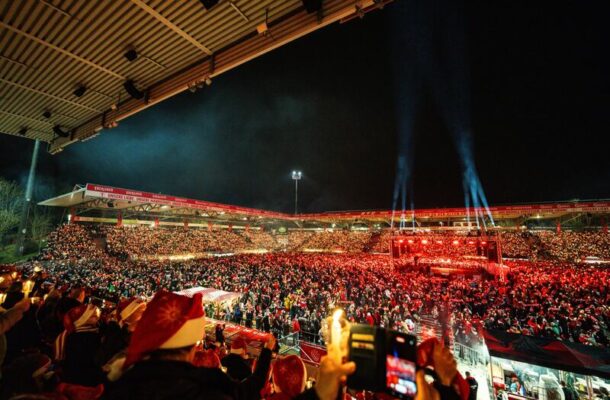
{"x": 190, "y": 333}
{"x": 131, "y": 308}
{"x": 82, "y": 320}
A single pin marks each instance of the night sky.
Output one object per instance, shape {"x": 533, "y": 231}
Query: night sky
{"x": 539, "y": 89}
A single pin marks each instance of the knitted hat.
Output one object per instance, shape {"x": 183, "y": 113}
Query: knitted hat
{"x": 171, "y": 321}
{"x": 239, "y": 346}
{"x": 207, "y": 358}
{"x": 289, "y": 375}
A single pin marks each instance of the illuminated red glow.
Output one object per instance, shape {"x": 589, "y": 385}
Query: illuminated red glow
{"x": 455, "y": 242}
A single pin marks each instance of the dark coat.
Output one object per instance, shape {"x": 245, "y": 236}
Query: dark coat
{"x": 237, "y": 367}
{"x": 115, "y": 339}
{"x": 164, "y": 380}
{"x": 474, "y": 386}
{"x": 81, "y": 365}
{"x": 24, "y": 335}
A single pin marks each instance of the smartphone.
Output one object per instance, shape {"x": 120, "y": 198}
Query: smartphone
{"x": 366, "y": 347}
{"x": 400, "y": 365}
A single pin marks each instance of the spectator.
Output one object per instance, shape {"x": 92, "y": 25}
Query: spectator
{"x": 161, "y": 354}
{"x": 77, "y": 348}
{"x": 236, "y": 362}
{"x": 474, "y": 387}
{"x": 289, "y": 378}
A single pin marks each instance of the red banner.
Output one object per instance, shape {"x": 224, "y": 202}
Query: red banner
{"x": 255, "y": 339}
{"x": 311, "y": 353}
{"x": 109, "y": 192}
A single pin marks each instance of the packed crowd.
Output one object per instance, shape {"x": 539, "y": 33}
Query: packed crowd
{"x": 63, "y": 343}
{"x": 79, "y": 241}
{"x": 73, "y": 241}
{"x": 87, "y": 342}
{"x": 560, "y": 246}
{"x": 554, "y": 299}
{"x": 338, "y": 240}
{"x": 144, "y": 241}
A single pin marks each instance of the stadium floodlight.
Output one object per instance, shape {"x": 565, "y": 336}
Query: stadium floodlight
{"x": 296, "y": 176}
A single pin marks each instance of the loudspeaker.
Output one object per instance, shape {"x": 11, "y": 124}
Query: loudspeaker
{"x": 59, "y": 132}
{"x": 209, "y": 3}
{"x": 131, "y": 55}
{"x": 312, "y": 6}
{"x": 80, "y": 91}
{"x": 492, "y": 252}
{"x": 395, "y": 249}
{"x": 133, "y": 91}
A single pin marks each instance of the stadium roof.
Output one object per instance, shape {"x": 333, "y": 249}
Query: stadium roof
{"x": 93, "y": 197}
{"x": 64, "y": 63}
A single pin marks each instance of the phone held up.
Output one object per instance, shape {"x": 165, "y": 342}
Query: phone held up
{"x": 385, "y": 361}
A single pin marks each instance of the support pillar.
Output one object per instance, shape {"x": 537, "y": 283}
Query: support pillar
{"x": 25, "y": 212}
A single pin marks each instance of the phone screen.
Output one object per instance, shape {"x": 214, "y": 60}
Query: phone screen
{"x": 400, "y": 366}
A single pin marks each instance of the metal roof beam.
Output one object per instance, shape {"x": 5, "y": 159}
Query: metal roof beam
{"x": 155, "y": 14}
{"x": 60, "y": 50}
{"x": 48, "y": 95}
{"x": 284, "y": 31}
{"x": 26, "y": 118}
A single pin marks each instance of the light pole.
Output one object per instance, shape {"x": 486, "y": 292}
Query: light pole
{"x": 296, "y": 175}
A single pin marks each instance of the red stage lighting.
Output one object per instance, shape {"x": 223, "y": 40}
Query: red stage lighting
{"x": 400, "y": 241}
{"x": 424, "y": 241}
{"x": 410, "y": 241}
{"x": 470, "y": 242}
{"x": 439, "y": 241}
{"x": 455, "y": 242}
{"x": 483, "y": 243}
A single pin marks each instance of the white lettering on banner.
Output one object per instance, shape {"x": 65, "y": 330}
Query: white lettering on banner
{"x": 102, "y": 189}
{"x": 117, "y": 196}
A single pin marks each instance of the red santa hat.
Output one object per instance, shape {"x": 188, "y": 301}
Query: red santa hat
{"x": 74, "y": 320}
{"x": 171, "y": 321}
{"x": 127, "y": 307}
{"x": 207, "y": 358}
{"x": 239, "y": 346}
{"x": 78, "y": 316}
{"x": 289, "y": 376}
{"x": 78, "y": 392}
